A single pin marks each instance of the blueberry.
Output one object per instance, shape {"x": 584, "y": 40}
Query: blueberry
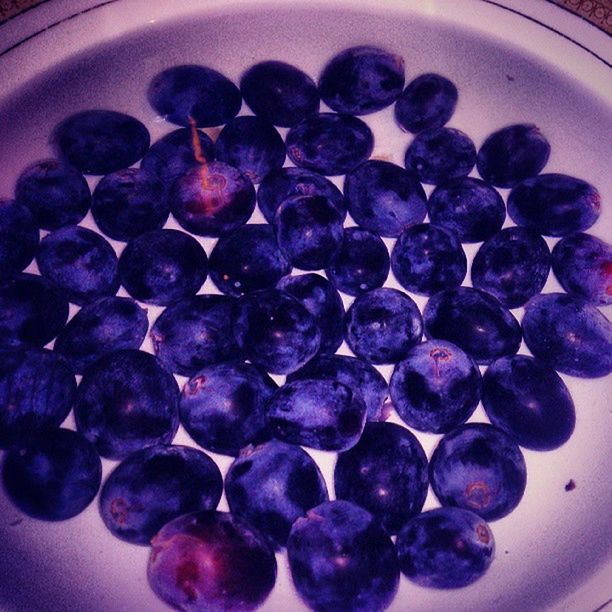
{"x": 128, "y": 203}
{"x": 342, "y": 559}
{"x": 323, "y": 302}
{"x": 362, "y": 264}
{"x": 194, "y": 333}
{"x": 426, "y": 259}
{"x": 436, "y": 388}
{"x": 283, "y": 183}
{"x": 569, "y": 334}
{"x": 383, "y": 325}
{"x": 163, "y": 266}
{"x": 247, "y": 259}
{"x": 272, "y": 485}
{"x": 428, "y": 102}
{"x": 101, "y": 141}
{"x": 110, "y": 324}
{"x": 329, "y": 144}
{"x": 445, "y": 548}
{"x": 511, "y": 154}
{"x": 480, "y": 468}
{"x": 353, "y": 372}
{"x": 32, "y": 311}
{"x": 473, "y": 320}
{"x": 37, "y": 389}
{"x": 583, "y": 265}
{"x": 554, "y": 204}
{"x": 385, "y": 473}
{"x": 275, "y": 331}
{"x": 309, "y": 231}
{"x": 279, "y": 93}
{"x": 384, "y": 198}
{"x": 211, "y": 560}
{"x": 18, "y": 237}
{"x": 512, "y": 265}
{"x": 126, "y": 401}
{"x": 252, "y": 145}
{"x": 198, "y": 94}
{"x": 79, "y": 262}
{"x": 155, "y": 485}
{"x": 362, "y": 80}
{"x": 212, "y": 199}
{"x": 222, "y": 407}
{"x": 529, "y": 401}
{"x": 55, "y": 193}
{"x": 322, "y": 414}
{"x": 467, "y": 206}
{"x": 54, "y": 477}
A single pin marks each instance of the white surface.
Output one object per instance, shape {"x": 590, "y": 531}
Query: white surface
{"x": 558, "y": 542}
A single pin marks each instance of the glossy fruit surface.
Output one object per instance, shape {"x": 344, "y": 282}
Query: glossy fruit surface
{"x": 18, "y": 237}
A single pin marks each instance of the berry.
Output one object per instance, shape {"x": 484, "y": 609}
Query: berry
{"x": 18, "y": 238}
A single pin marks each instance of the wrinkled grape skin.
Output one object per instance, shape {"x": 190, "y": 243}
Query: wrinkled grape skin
{"x": 18, "y": 238}
{"x": 583, "y": 266}
{"x": 529, "y": 401}
{"x": 385, "y": 473}
{"x": 569, "y": 334}
{"x": 445, "y": 548}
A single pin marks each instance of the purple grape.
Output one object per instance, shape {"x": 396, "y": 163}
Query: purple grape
{"x": 18, "y": 238}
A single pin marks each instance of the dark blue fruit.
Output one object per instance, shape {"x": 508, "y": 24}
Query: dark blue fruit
{"x": 247, "y": 259}
{"x": 342, "y": 559}
{"x": 212, "y": 199}
{"x": 271, "y": 485}
{"x": 528, "y": 400}
{"x": 361, "y": 80}
{"x": 385, "y": 473}
{"x": 101, "y": 141}
{"x": 427, "y": 258}
{"x": 55, "y": 193}
{"x": 128, "y": 203}
{"x": 126, "y": 401}
{"x": 384, "y": 198}
{"x": 473, "y": 320}
{"x": 428, "y": 102}
{"x": 210, "y": 560}
{"x": 99, "y": 328}
{"x": 322, "y": 414}
{"x": 252, "y": 145}
{"x": 279, "y": 93}
{"x": 512, "y": 154}
{"x": 37, "y": 389}
{"x": 480, "y": 468}
{"x": 194, "y": 94}
{"x": 283, "y": 183}
{"x": 54, "y": 477}
{"x": 163, "y": 266}
{"x": 32, "y": 311}
{"x": 18, "y": 237}
{"x": 436, "y": 388}
{"x": 445, "y": 548}
{"x": 329, "y": 144}
{"x": 467, "y": 206}
{"x": 323, "y": 302}
{"x": 362, "y": 264}
{"x": 512, "y": 265}
{"x": 441, "y": 154}
{"x": 79, "y": 262}
{"x": 569, "y": 334}
{"x": 309, "y": 231}
{"x": 583, "y": 265}
{"x": 194, "y": 333}
{"x": 275, "y": 331}
{"x": 353, "y": 372}
{"x": 223, "y": 406}
{"x": 155, "y": 485}
{"x": 554, "y": 204}
{"x": 383, "y": 325}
